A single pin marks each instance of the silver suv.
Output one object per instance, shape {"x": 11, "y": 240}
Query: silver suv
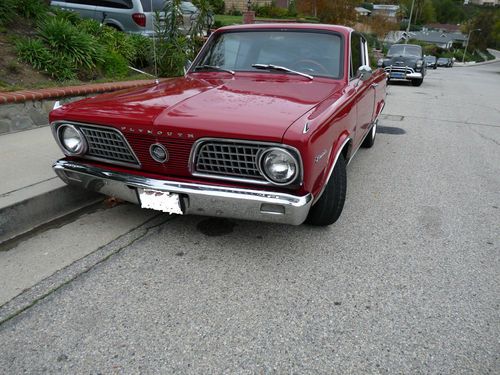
{"x": 131, "y": 16}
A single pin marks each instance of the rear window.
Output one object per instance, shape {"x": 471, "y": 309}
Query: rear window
{"x": 158, "y": 5}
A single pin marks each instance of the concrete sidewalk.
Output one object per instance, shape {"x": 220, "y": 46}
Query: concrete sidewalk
{"x": 30, "y": 192}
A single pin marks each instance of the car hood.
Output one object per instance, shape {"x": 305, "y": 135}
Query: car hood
{"x": 245, "y": 107}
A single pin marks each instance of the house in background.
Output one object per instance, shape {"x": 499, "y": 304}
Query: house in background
{"x": 438, "y": 38}
{"x": 391, "y": 12}
{"x": 362, "y": 12}
{"x": 490, "y": 3}
{"x": 443, "y": 27}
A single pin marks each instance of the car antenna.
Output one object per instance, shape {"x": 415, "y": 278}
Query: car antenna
{"x": 154, "y": 45}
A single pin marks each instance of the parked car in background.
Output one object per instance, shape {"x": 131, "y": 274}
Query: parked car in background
{"x": 445, "y": 62}
{"x": 431, "y": 62}
{"x": 261, "y": 127}
{"x": 131, "y": 16}
{"x": 405, "y": 62}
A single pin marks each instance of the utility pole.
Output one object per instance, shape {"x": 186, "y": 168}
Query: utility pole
{"x": 409, "y": 22}
{"x": 467, "y": 45}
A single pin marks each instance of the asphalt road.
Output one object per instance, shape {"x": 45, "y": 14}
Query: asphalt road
{"x": 407, "y": 281}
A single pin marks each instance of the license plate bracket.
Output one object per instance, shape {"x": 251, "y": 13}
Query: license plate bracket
{"x": 160, "y": 201}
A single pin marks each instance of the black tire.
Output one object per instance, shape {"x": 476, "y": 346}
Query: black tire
{"x": 328, "y": 208}
{"x": 417, "y": 82}
{"x": 370, "y": 138}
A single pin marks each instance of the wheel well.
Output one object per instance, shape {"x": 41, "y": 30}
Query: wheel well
{"x": 347, "y": 150}
{"x": 116, "y": 27}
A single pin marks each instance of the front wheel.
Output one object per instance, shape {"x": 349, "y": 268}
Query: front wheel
{"x": 370, "y": 138}
{"x": 328, "y": 208}
{"x": 417, "y": 82}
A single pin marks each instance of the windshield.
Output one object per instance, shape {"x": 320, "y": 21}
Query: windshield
{"x": 404, "y": 50}
{"x": 313, "y": 53}
{"x": 430, "y": 58}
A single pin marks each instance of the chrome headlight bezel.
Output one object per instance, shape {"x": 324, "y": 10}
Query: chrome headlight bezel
{"x": 82, "y": 147}
{"x": 265, "y": 172}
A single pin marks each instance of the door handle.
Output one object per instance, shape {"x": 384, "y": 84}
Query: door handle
{"x": 374, "y": 85}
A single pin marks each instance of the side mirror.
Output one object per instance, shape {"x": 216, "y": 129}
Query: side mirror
{"x": 364, "y": 72}
{"x": 187, "y": 65}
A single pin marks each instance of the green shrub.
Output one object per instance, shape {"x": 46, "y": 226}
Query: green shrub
{"x": 64, "y": 39}
{"x": 142, "y": 50}
{"x": 61, "y": 68}
{"x": 91, "y": 27}
{"x": 7, "y": 11}
{"x": 115, "y": 65}
{"x": 117, "y": 42}
{"x": 33, "y": 52}
{"x": 32, "y": 9}
{"x": 218, "y": 6}
{"x": 269, "y": 11}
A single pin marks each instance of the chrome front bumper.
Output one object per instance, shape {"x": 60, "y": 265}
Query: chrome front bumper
{"x": 207, "y": 200}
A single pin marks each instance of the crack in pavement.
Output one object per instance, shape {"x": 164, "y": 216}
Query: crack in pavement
{"x": 444, "y": 120}
{"x": 485, "y": 136}
{"x": 46, "y": 287}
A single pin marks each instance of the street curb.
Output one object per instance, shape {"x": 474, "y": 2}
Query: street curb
{"x": 28, "y": 214}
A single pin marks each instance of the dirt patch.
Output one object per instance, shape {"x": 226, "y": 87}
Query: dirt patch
{"x": 15, "y": 75}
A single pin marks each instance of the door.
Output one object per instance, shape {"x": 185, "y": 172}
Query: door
{"x": 365, "y": 92}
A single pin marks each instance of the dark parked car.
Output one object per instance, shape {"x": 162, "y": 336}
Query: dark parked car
{"x": 445, "y": 62}
{"x": 431, "y": 61}
{"x": 404, "y": 62}
{"x": 261, "y": 127}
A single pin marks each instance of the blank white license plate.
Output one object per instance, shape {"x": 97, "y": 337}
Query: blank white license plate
{"x": 160, "y": 201}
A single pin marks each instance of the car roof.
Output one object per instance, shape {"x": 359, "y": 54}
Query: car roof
{"x": 288, "y": 26}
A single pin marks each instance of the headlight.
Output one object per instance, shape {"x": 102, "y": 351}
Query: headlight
{"x": 380, "y": 63}
{"x": 72, "y": 140}
{"x": 419, "y": 63}
{"x": 279, "y": 166}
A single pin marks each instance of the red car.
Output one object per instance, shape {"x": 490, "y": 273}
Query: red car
{"x": 261, "y": 127}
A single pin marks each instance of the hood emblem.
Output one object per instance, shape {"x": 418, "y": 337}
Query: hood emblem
{"x": 158, "y": 152}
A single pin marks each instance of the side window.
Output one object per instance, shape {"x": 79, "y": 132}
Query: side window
{"x": 119, "y": 4}
{"x": 356, "y": 55}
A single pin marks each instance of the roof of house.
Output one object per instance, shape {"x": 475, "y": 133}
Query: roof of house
{"x": 448, "y": 27}
{"x": 362, "y": 10}
{"x": 385, "y": 7}
{"x": 437, "y": 37}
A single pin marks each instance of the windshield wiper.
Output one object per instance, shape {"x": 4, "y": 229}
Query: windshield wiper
{"x": 214, "y": 67}
{"x": 281, "y": 68}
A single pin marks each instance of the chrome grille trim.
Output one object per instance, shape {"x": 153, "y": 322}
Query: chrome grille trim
{"x": 105, "y": 143}
{"x": 399, "y": 69}
{"x": 211, "y": 154}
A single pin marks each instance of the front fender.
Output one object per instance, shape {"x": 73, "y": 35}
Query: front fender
{"x": 340, "y": 147}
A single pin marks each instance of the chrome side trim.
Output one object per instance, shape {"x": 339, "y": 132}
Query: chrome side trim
{"x": 331, "y": 169}
{"x": 54, "y": 128}
{"x": 194, "y": 152}
{"x": 198, "y": 199}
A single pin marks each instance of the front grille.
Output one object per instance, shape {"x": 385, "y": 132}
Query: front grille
{"x": 107, "y": 144}
{"x": 399, "y": 69}
{"x": 229, "y": 159}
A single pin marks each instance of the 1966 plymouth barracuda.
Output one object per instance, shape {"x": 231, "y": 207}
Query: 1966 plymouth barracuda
{"x": 261, "y": 127}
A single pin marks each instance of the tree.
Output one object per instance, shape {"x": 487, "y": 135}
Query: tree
{"x": 339, "y": 12}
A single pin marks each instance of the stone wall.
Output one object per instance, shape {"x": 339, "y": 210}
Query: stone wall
{"x": 27, "y": 115}
{"x": 242, "y": 5}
